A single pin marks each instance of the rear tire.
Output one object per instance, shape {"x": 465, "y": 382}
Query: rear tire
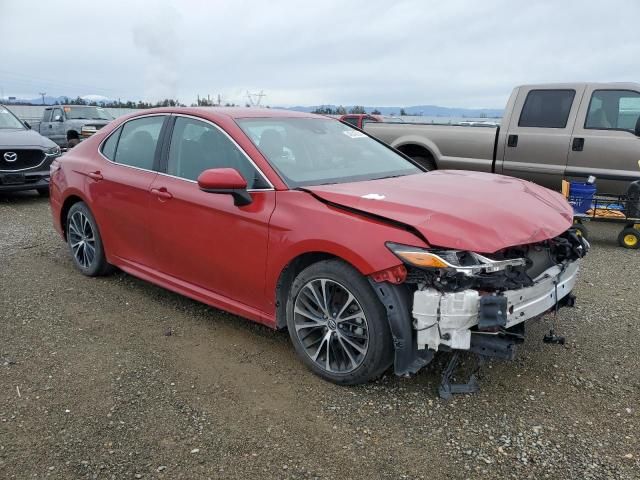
{"x": 337, "y": 324}
{"x": 85, "y": 243}
{"x": 427, "y": 163}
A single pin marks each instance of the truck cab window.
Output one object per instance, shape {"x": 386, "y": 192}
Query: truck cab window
{"x": 547, "y": 108}
{"x": 57, "y": 115}
{"x": 613, "y": 110}
{"x": 46, "y": 116}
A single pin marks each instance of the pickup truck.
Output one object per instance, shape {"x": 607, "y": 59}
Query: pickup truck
{"x": 548, "y": 132}
{"x": 58, "y": 120}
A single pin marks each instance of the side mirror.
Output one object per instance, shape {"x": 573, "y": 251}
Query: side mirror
{"x": 57, "y": 118}
{"x": 225, "y": 180}
{"x": 26, "y": 124}
{"x": 637, "y": 131}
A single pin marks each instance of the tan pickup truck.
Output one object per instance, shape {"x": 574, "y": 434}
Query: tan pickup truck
{"x": 548, "y": 132}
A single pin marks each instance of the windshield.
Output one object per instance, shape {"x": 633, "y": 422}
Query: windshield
{"x": 316, "y": 151}
{"x": 8, "y": 120}
{"x": 87, "y": 113}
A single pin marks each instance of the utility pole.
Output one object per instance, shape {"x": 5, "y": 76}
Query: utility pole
{"x": 42, "y": 94}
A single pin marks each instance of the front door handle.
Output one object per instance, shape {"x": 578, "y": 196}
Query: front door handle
{"x": 512, "y": 141}
{"x": 97, "y": 176}
{"x": 161, "y": 193}
{"x": 578, "y": 144}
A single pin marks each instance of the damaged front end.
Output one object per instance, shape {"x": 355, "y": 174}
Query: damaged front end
{"x": 465, "y": 301}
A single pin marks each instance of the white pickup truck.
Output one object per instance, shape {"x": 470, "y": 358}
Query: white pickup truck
{"x": 548, "y": 132}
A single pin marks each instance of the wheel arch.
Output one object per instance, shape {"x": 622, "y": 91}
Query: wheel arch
{"x": 291, "y": 271}
{"x": 418, "y": 147}
{"x": 69, "y": 201}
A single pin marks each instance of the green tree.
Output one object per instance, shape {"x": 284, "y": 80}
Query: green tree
{"x": 357, "y": 109}
{"x": 402, "y": 112}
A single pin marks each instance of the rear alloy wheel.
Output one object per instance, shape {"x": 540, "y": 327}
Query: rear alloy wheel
{"x": 84, "y": 241}
{"x": 337, "y": 325}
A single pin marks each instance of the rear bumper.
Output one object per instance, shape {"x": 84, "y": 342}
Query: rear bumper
{"x": 447, "y": 319}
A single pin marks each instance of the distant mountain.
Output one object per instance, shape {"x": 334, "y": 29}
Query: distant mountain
{"x": 424, "y": 110}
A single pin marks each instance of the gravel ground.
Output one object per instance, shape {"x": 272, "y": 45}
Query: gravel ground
{"x": 93, "y": 386}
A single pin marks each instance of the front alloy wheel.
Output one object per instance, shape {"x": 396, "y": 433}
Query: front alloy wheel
{"x": 331, "y": 325}
{"x": 337, "y": 324}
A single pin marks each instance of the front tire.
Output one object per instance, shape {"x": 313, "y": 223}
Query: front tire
{"x": 337, "y": 324}
{"x": 85, "y": 243}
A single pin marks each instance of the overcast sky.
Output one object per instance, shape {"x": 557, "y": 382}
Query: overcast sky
{"x": 372, "y": 52}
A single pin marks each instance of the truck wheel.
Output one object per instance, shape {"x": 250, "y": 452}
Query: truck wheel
{"x": 629, "y": 238}
{"x": 337, "y": 324}
{"x": 85, "y": 242}
{"x": 427, "y": 163}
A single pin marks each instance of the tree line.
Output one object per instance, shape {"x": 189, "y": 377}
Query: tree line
{"x": 355, "y": 110}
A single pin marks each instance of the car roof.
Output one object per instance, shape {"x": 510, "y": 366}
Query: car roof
{"x": 231, "y": 112}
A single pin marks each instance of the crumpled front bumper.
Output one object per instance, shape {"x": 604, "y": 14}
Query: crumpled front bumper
{"x": 447, "y": 319}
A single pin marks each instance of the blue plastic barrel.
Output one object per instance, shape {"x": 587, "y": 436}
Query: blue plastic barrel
{"x": 581, "y": 196}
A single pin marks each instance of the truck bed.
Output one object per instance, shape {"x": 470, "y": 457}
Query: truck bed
{"x": 454, "y": 146}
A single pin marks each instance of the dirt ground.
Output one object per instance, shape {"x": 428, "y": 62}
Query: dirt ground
{"x": 91, "y": 385}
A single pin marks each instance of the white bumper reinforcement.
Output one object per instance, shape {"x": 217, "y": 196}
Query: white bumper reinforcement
{"x": 446, "y": 318}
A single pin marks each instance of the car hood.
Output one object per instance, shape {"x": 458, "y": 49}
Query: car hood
{"x": 481, "y": 212}
{"x": 18, "y": 138}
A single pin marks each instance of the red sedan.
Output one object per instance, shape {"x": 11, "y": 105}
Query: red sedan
{"x": 299, "y": 221}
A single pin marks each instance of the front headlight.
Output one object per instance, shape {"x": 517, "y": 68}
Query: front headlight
{"x": 469, "y": 263}
{"x": 53, "y": 152}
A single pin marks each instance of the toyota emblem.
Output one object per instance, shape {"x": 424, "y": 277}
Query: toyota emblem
{"x": 10, "y": 156}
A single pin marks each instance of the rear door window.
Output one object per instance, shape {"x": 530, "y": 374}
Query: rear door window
{"x": 46, "y": 117}
{"x": 138, "y": 142}
{"x": 547, "y": 108}
{"x": 613, "y": 110}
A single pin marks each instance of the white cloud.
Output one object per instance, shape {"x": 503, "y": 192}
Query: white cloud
{"x": 372, "y": 52}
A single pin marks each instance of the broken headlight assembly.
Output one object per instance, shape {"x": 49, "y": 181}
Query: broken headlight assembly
{"x": 458, "y": 261}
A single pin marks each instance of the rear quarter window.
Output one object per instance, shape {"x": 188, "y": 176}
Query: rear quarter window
{"x": 109, "y": 147}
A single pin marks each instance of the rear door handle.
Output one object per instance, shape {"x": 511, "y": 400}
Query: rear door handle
{"x": 578, "y": 144}
{"x": 512, "y": 141}
{"x": 161, "y": 193}
{"x": 97, "y": 176}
